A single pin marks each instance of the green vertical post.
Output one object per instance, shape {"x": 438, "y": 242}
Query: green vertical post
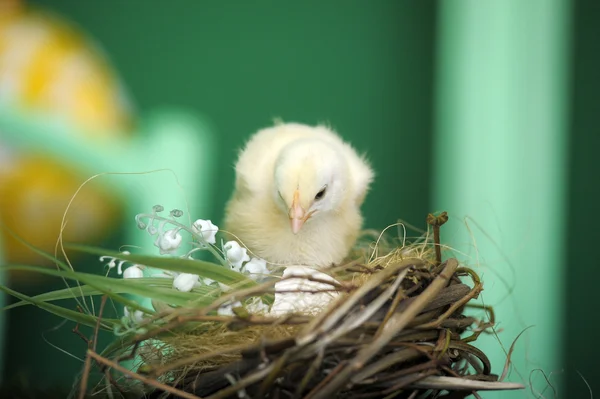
{"x": 500, "y": 167}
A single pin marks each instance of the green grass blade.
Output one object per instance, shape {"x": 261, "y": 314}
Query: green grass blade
{"x": 109, "y": 285}
{"x": 108, "y": 292}
{"x": 60, "y": 264}
{"x": 35, "y": 249}
{"x": 194, "y": 266}
{"x": 66, "y": 293}
{"x": 86, "y": 290}
{"x": 77, "y": 317}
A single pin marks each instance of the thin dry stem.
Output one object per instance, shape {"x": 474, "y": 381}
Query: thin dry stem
{"x": 139, "y": 377}
{"x": 91, "y": 345}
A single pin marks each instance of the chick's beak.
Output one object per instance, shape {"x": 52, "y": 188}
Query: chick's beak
{"x": 297, "y": 214}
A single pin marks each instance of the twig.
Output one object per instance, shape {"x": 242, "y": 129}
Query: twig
{"x": 403, "y": 355}
{"x": 358, "y": 319}
{"x": 131, "y": 355}
{"x": 339, "y": 309}
{"x": 267, "y": 382}
{"x": 419, "y": 367}
{"x": 258, "y": 375}
{"x": 80, "y": 334}
{"x": 470, "y": 272}
{"x": 408, "y": 380}
{"x": 461, "y": 346}
{"x": 140, "y": 377}
{"x": 414, "y": 394}
{"x": 310, "y": 374}
{"x": 315, "y": 391}
{"x": 446, "y": 296}
{"x": 472, "y": 294}
{"x": 488, "y": 309}
{"x": 399, "y": 296}
{"x": 453, "y": 383}
{"x": 443, "y": 342}
{"x": 91, "y": 345}
{"x": 436, "y": 222}
{"x": 396, "y": 324}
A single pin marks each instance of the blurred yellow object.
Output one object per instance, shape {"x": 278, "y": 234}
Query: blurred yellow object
{"x": 48, "y": 66}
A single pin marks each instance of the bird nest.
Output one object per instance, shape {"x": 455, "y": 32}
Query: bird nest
{"x": 396, "y": 328}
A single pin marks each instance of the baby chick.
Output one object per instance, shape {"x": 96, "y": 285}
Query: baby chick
{"x": 297, "y": 196}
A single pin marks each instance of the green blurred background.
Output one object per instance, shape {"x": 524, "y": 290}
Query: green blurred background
{"x": 367, "y": 70}
{"x": 371, "y": 70}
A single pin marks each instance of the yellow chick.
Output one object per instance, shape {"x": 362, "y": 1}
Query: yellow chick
{"x": 297, "y": 196}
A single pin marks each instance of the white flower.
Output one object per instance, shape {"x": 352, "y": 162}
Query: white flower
{"x": 113, "y": 262}
{"x": 227, "y": 309}
{"x": 206, "y": 229}
{"x": 185, "y": 282}
{"x": 137, "y": 316}
{"x": 256, "y": 268}
{"x": 133, "y": 272}
{"x": 236, "y": 255}
{"x": 169, "y": 241}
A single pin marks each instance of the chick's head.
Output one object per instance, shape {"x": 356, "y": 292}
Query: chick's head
{"x": 311, "y": 180}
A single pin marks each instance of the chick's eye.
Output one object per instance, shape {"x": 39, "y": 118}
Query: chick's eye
{"x": 320, "y": 194}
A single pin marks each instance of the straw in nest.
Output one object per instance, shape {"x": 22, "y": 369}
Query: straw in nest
{"x": 396, "y": 329}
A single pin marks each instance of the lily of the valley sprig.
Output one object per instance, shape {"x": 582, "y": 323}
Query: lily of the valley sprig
{"x": 170, "y": 236}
